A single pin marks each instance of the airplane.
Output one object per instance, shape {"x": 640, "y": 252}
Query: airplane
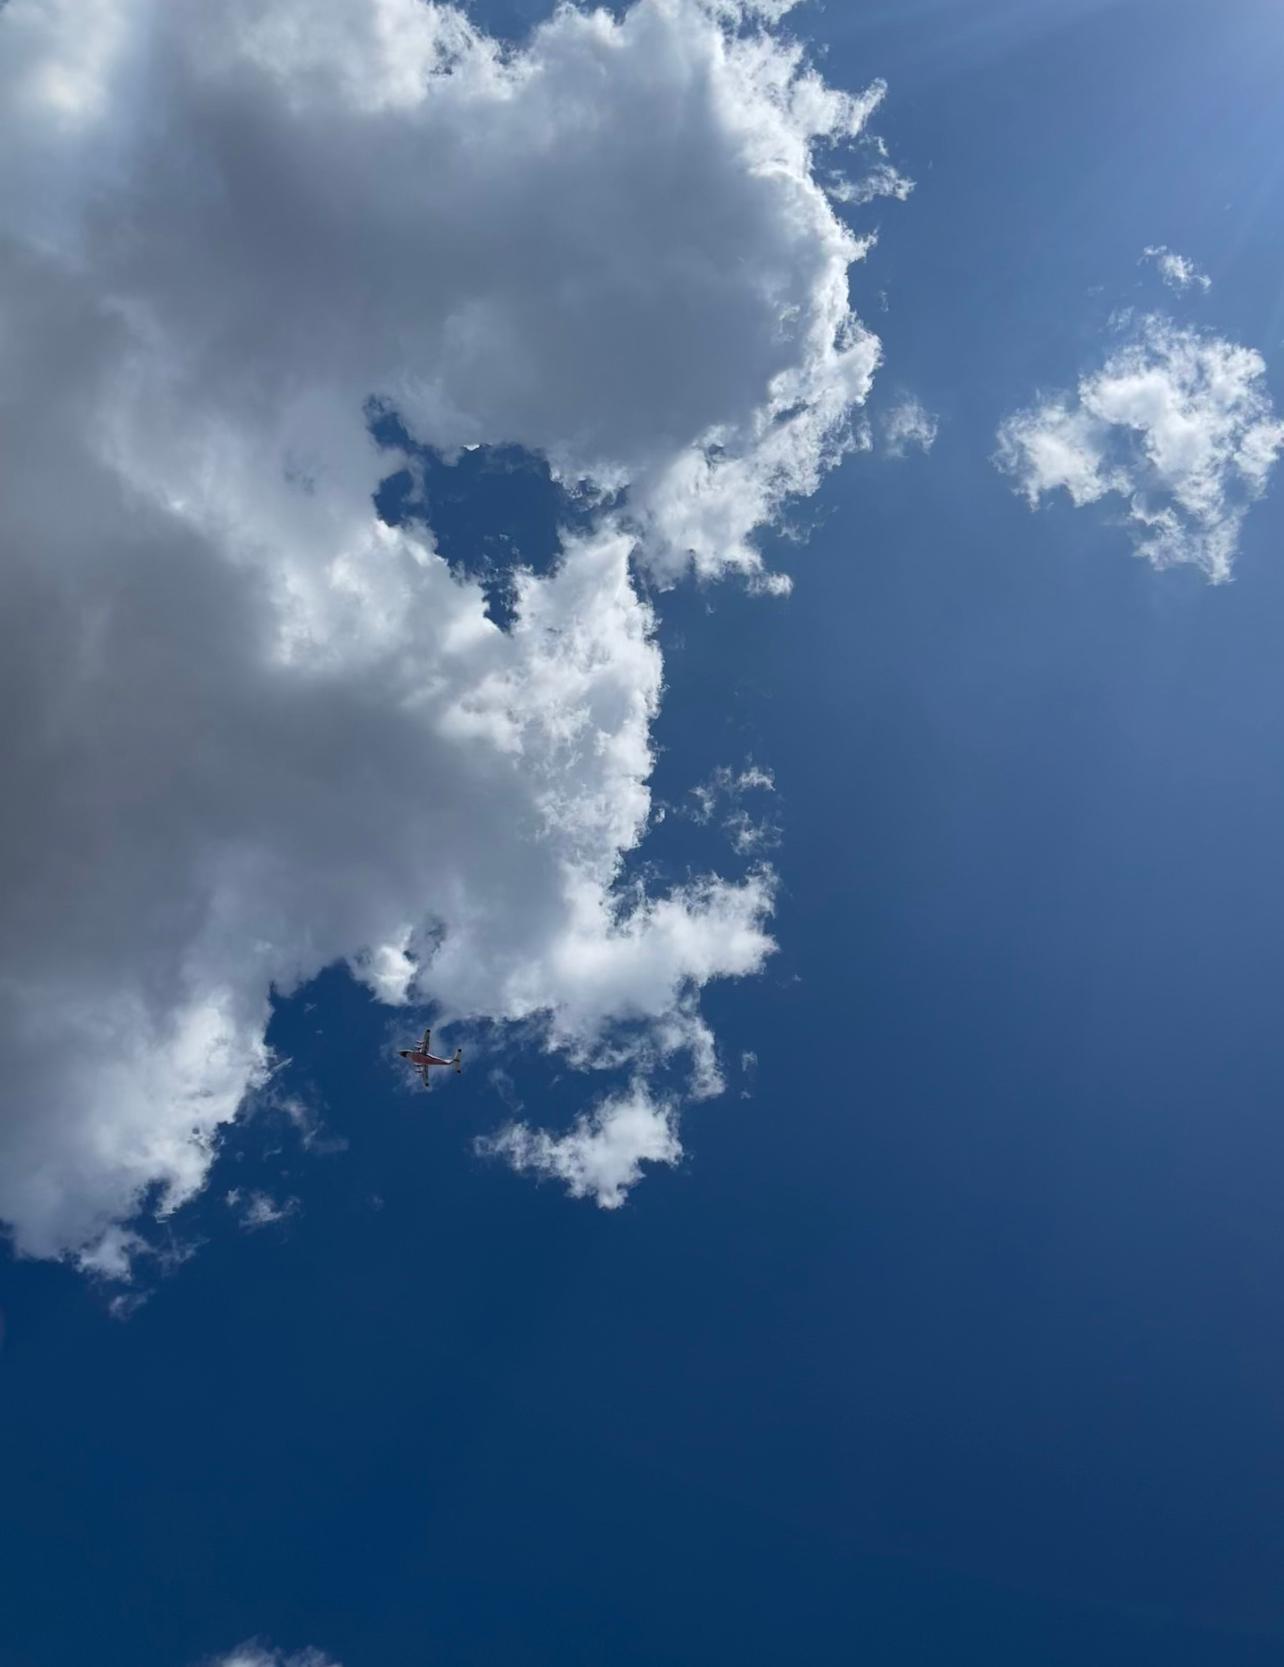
{"x": 423, "y": 1059}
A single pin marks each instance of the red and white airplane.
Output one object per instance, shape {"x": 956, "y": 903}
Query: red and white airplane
{"x": 424, "y": 1060}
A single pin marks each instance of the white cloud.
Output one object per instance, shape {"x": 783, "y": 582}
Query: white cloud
{"x": 725, "y": 789}
{"x": 1177, "y": 271}
{"x": 112, "y": 1255}
{"x": 879, "y": 179}
{"x": 308, "y": 1126}
{"x": 254, "y": 1654}
{"x": 255, "y": 731}
{"x": 1177, "y": 423}
{"x": 602, "y": 1155}
{"x": 259, "y": 1209}
{"x": 728, "y": 784}
{"x": 905, "y": 424}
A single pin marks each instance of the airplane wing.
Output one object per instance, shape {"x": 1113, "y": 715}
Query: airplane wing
{"x": 427, "y": 1034}
{"x": 424, "y": 1072}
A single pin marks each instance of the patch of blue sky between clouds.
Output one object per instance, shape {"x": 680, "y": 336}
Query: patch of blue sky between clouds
{"x": 493, "y": 512}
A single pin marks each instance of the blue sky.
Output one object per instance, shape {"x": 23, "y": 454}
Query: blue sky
{"x": 954, "y": 1334}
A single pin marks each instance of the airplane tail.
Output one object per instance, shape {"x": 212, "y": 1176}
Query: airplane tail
{"x": 459, "y": 1054}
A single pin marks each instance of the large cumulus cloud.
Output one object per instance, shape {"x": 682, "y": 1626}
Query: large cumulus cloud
{"x": 250, "y": 729}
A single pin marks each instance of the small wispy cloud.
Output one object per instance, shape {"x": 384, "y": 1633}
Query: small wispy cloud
{"x": 722, "y": 795}
{"x": 908, "y": 423}
{"x": 502, "y": 1082}
{"x": 120, "y": 1257}
{"x": 112, "y": 1255}
{"x": 601, "y": 1155}
{"x": 307, "y": 1124}
{"x": 880, "y": 179}
{"x": 258, "y": 1209}
{"x": 1177, "y": 271}
{"x": 255, "y": 1654}
{"x": 1177, "y": 424}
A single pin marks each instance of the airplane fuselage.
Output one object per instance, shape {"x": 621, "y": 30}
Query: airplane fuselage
{"x": 417, "y": 1056}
